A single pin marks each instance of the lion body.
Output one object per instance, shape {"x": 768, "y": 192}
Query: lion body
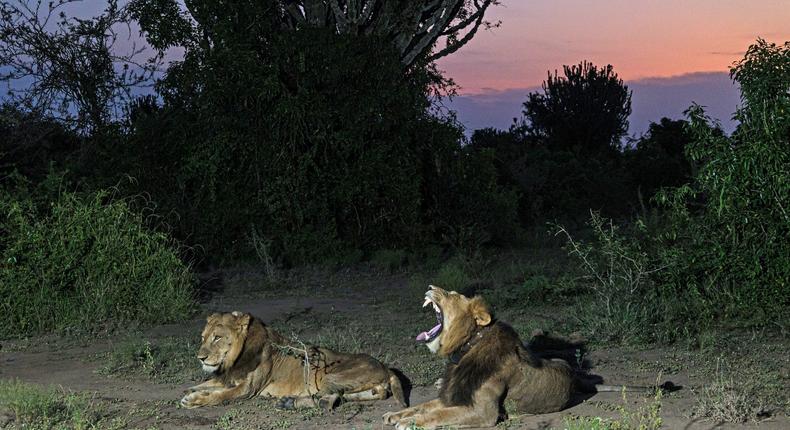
{"x": 488, "y": 365}
{"x": 247, "y": 359}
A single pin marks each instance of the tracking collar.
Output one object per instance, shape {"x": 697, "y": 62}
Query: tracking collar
{"x": 456, "y": 356}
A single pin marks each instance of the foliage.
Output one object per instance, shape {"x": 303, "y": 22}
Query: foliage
{"x": 646, "y": 417}
{"x": 586, "y": 110}
{"x": 168, "y": 360}
{"x": 658, "y": 159}
{"x": 71, "y": 262}
{"x": 265, "y": 138}
{"x": 37, "y": 408}
{"x": 414, "y": 29}
{"x": 726, "y": 401}
{"x": 619, "y": 274}
{"x": 728, "y": 237}
{"x": 66, "y": 67}
{"x": 389, "y": 260}
{"x": 31, "y": 144}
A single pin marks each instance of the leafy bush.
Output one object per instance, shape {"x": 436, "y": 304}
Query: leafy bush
{"x": 77, "y": 262}
{"x": 728, "y": 238}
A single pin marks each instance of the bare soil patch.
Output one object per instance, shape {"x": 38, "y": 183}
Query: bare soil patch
{"x": 379, "y": 314}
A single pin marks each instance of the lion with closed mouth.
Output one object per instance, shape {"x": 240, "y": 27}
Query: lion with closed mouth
{"x": 247, "y": 358}
{"x": 487, "y": 364}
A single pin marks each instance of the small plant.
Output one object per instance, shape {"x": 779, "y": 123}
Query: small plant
{"x": 170, "y": 360}
{"x": 725, "y": 401}
{"x": 647, "y": 417}
{"x": 618, "y": 274}
{"x": 262, "y": 247}
{"x": 452, "y": 276}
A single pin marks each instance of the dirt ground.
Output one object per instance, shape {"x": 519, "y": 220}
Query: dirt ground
{"x": 379, "y": 314}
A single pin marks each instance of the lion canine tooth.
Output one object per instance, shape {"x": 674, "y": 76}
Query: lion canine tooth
{"x": 435, "y": 307}
{"x": 427, "y": 301}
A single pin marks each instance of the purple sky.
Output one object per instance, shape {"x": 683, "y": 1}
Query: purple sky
{"x": 670, "y": 53}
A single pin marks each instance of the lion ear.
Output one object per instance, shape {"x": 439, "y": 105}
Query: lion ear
{"x": 213, "y": 317}
{"x": 480, "y": 311}
{"x": 242, "y": 319}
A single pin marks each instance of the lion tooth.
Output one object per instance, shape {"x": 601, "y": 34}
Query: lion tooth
{"x": 435, "y": 307}
{"x": 427, "y": 301}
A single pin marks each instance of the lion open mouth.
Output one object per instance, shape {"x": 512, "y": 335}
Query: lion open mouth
{"x": 431, "y": 334}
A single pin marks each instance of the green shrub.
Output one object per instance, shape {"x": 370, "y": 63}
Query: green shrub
{"x": 622, "y": 304}
{"x": 82, "y": 262}
{"x": 727, "y": 242}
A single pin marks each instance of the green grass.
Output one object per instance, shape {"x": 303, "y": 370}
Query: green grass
{"x": 82, "y": 263}
{"x": 32, "y": 407}
{"x": 168, "y": 360}
{"x": 389, "y": 260}
{"x": 451, "y": 276}
{"x": 646, "y": 417}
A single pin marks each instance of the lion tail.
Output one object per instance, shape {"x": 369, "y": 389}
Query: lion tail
{"x": 396, "y": 387}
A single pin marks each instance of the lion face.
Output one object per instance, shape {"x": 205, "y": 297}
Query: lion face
{"x": 458, "y": 317}
{"x": 222, "y": 340}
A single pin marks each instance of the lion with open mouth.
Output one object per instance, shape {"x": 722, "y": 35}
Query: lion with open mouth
{"x": 487, "y": 364}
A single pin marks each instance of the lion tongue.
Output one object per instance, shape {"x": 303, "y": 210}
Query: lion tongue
{"x": 424, "y": 336}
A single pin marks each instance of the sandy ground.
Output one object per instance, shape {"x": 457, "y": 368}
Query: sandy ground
{"x": 68, "y": 364}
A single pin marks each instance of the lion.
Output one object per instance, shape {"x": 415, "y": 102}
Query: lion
{"x": 248, "y": 358}
{"x": 487, "y": 365}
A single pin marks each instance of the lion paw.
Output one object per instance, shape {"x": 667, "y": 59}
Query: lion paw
{"x": 195, "y": 399}
{"x": 389, "y": 418}
{"x": 286, "y": 403}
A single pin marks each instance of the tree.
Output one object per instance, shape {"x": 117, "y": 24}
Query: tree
{"x": 413, "y": 27}
{"x": 658, "y": 159}
{"x": 64, "y": 67}
{"x": 586, "y": 110}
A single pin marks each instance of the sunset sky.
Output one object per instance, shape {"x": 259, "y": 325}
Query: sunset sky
{"x": 688, "y": 44}
{"x": 670, "y": 52}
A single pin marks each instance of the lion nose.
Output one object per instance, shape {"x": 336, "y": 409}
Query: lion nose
{"x": 202, "y": 357}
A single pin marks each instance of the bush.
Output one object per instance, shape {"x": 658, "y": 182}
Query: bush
{"x": 728, "y": 238}
{"x": 79, "y": 262}
{"x": 623, "y": 303}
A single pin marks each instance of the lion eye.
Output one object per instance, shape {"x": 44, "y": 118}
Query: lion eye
{"x": 216, "y": 338}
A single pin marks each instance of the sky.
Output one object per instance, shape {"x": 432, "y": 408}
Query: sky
{"x": 670, "y": 53}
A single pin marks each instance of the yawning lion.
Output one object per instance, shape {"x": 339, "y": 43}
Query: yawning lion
{"x": 487, "y": 364}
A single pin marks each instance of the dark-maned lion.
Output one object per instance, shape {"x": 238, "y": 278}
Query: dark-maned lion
{"x": 247, "y": 358}
{"x": 487, "y": 364}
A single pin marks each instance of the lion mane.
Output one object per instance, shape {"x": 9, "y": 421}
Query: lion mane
{"x": 246, "y": 358}
{"x": 487, "y": 365}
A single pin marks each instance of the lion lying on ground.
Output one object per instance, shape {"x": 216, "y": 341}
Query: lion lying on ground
{"x": 247, "y": 358}
{"x": 487, "y": 364}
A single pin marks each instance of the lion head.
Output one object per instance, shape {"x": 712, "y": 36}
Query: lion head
{"x": 222, "y": 340}
{"x": 458, "y": 318}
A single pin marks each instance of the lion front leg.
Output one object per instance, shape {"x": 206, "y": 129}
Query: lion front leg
{"x": 394, "y": 417}
{"x": 214, "y": 397}
{"x": 210, "y": 385}
{"x": 453, "y": 416}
